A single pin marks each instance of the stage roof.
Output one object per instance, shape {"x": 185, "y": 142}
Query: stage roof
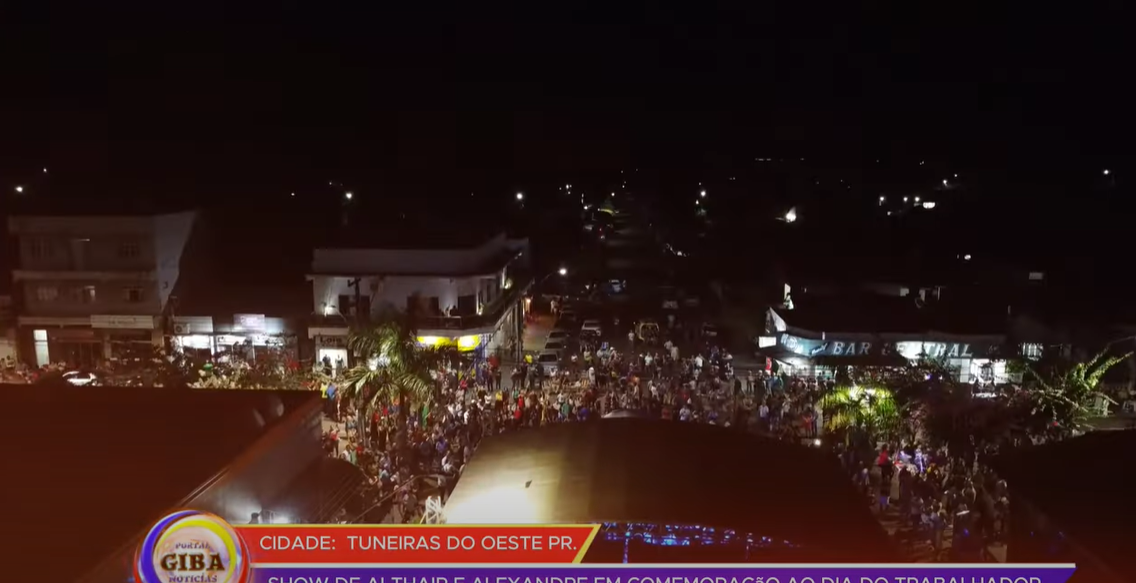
{"x": 114, "y": 459}
{"x": 659, "y": 472}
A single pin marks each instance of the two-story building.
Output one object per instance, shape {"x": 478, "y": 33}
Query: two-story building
{"x": 93, "y": 287}
{"x": 470, "y": 297}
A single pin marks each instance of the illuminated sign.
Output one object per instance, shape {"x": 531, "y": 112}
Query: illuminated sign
{"x": 811, "y": 347}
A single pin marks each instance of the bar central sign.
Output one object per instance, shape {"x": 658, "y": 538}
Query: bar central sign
{"x": 911, "y": 349}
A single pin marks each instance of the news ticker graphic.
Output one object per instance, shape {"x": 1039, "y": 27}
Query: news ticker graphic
{"x": 417, "y": 544}
{"x": 917, "y": 573}
{"x": 198, "y": 547}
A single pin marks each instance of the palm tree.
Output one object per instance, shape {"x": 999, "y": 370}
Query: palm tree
{"x": 850, "y": 409}
{"x": 1064, "y": 397}
{"x": 392, "y": 368}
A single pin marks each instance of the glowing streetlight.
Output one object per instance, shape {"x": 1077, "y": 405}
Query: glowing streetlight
{"x": 19, "y": 189}
{"x": 348, "y": 195}
{"x": 520, "y": 196}
{"x": 929, "y": 205}
{"x": 45, "y": 169}
{"x": 563, "y": 271}
{"x": 702, "y": 194}
{"x": 944, "y": 182}
{"x": 1107, "y": 172}
{"x": 883, "y": 199}
{"x": 791, "y": 216}
{"x": 917, "y": 199}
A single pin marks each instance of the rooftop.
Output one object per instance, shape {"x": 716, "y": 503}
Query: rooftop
{"x": 648, "y": 471}
{"x": 110, "y": 457}
{"x": 1085, "y": 486}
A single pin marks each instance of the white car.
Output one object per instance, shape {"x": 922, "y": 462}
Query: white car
{"x": 558, "y": 335}
{"x": 592, "y": 327}
{"x": 549, "y": 363}
{"x": 557, "y": 346}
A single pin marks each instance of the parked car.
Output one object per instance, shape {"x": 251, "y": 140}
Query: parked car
{"x": 558, "y": 334}
{"x": 549, "y": 362}
{"x": 709, "y": 330}
{"x": 592, "y": 327}
{"x": 558, "y": 346}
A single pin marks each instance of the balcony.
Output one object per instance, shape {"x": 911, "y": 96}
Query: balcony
{"x": 487, "y": 319}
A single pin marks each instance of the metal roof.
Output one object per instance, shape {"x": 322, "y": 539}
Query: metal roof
{"x": 117, "y": 459}
{"x": 659, "y": 472}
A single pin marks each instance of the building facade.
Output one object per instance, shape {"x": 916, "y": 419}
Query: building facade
{"x": 471, "y": 298}
{"x": 979, "y": 357}
{"x": 93, "y": 288}
{"x": 8, "y": 346}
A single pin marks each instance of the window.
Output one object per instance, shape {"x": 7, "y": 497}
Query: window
{"x": 38, "y": 248}
{"x": 85, "y": 294}
{"x": 132, "y": 295}
{"x": 47, "y": 293}
{"x": 129, "y": 250}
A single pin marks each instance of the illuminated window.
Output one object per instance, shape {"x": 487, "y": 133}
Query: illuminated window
{"x": 1031, "y": 350}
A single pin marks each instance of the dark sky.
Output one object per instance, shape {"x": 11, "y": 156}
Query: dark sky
{"x": 144, "y": 97}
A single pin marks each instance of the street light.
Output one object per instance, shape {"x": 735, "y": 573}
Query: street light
{"x": 563, "y": 271}
{"x": 520, "y": 196}
{"x": 19, "y": 189}
{"x": 1107, "y": 172}
{"x": 348, "y": 195}
{"x": 791, "y": 216}
{"x": 702, "y": 194}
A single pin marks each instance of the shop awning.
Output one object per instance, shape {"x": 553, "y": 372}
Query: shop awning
{"x": 783, "y": 355}
{"x": 862, "y": 360}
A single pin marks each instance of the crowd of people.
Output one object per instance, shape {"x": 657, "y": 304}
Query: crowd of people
{"x": 476, "y": 397}
{"x": 957, "y": 508}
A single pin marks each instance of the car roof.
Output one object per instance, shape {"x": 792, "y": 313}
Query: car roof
{"x": 548, "y": 355}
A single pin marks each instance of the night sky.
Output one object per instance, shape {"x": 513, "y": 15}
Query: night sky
{"x": 204, "y": 104}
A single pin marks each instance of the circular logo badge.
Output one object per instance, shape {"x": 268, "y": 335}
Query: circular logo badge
{"x": 192, "y": 547}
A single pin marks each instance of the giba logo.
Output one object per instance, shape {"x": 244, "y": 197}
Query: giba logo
{"x": 192, "y": 547}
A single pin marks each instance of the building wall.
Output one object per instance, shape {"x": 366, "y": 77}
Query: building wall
{"x": 393, "y": 291}
{"x": 73, "y": 266}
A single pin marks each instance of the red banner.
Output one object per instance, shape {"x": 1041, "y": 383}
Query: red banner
{"x": 276, "y": 544}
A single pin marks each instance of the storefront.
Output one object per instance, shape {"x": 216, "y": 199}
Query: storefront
{"x": 978, "y": 359}
{"x": 87, "y": 341}
{"x": 243, "y": 335}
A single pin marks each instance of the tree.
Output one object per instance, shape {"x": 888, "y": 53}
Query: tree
{"x": 873, "y": 412}
{"x": 392, "y": 368}
{"x": 1063, "y": 396}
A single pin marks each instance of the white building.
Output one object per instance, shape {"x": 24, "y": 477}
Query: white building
{"x": 92, "y": 287}
{"x": 468, "y": 297}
